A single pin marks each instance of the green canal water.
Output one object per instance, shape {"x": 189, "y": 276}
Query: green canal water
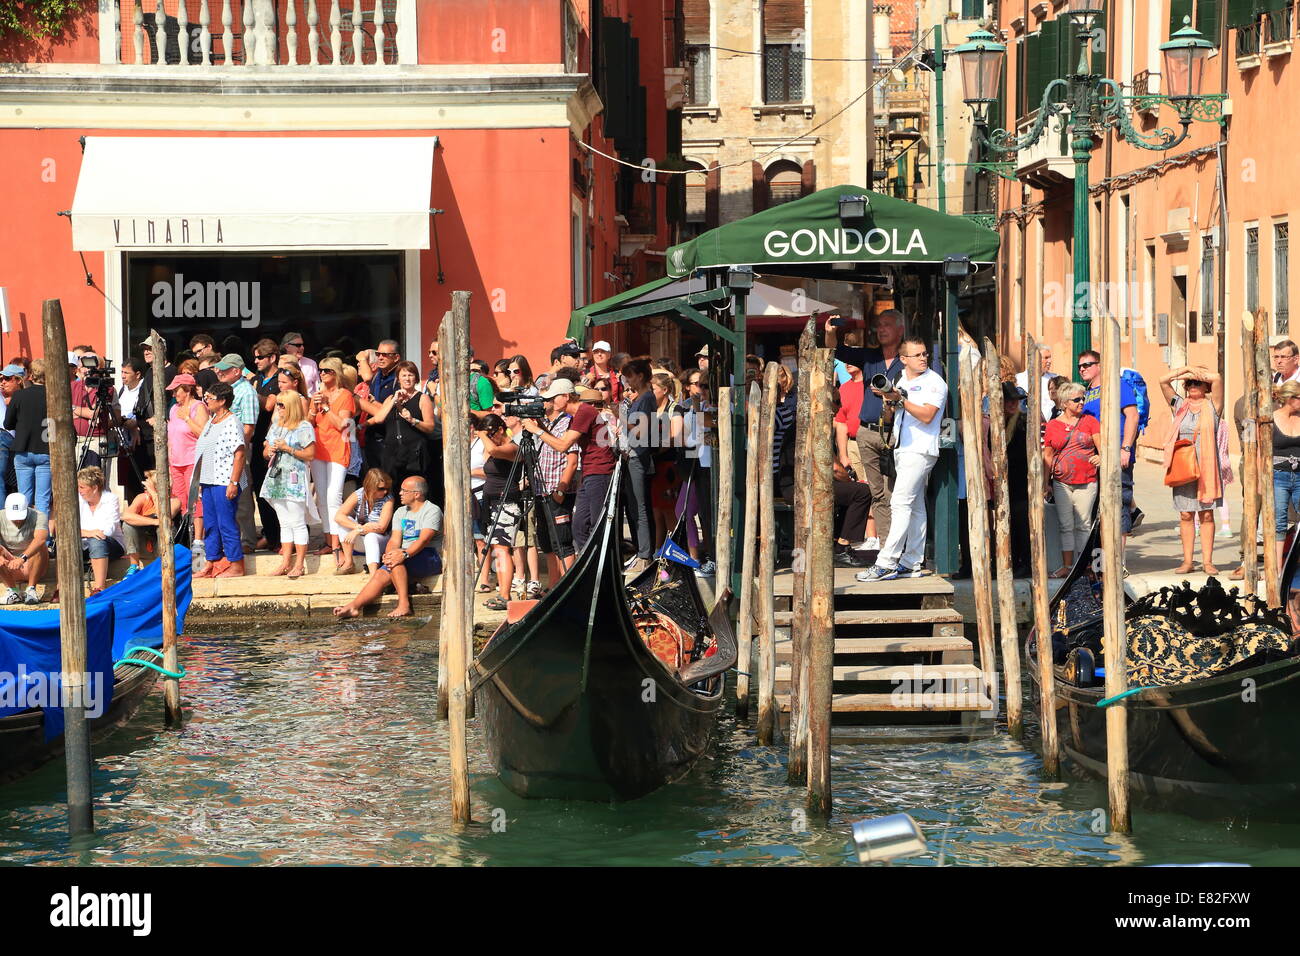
{"x": 322, "y": 747}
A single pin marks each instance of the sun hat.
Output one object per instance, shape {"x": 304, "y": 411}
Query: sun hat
{"x": 559, "y": 386}
{"x": 184, "y": 378}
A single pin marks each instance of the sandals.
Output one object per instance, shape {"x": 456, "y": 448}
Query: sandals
{"x": 495, "y": 604}
{"x": 1238, "y": 574}
{"x": 281, "y": 571}
{"x": 485, "y": 589}
{"x": 1209, "y": 569}
{"x": 296, "y": 571}
{"x": 1183, "y": 569}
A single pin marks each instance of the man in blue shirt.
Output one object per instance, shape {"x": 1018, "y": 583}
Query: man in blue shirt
{"x": 1090, "y": 372}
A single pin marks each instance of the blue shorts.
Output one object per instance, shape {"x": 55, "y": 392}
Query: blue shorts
{"x": 101, "y": 548}
{"x": 422, "y": 564}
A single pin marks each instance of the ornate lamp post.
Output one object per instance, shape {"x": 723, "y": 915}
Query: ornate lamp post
{"x": 1093, "y": 102}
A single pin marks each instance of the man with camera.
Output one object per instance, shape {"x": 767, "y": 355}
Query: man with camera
{"x": 915, "y": 403}
{"x": 589, "y": 429}
{"x": 93, "y": 402}
{"x": 557, "y": 470}
{"x": 136, "y": 410}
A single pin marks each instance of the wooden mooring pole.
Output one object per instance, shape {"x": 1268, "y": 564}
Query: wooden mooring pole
{"x": 1250, "y": 462}
{"x": 819, "y": 575}
{"x": 723, "y": 543}
{"x": 1038, "y": 559}
{"x": 1264, "y": 416}
{"x": 166, "y": 549}
{"x": 454, "y": 635}
{"x": 1007, "y": 631}
{"x": 72, "y": 606}
{"x": 769, "y": 731}
{"x": 1115, "y": 640}
{"x": 804, "y": 465}
{"x": 977, "y": 516}
{"x": 748, "y": 547}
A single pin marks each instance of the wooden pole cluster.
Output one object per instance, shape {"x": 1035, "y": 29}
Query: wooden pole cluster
{"x": 72, "y": 607}
{"x": 804, "y": 462}
{"x": 455, "y": 637}
{"x": 819, "y": 577}
{"x": 970, "y": 384}
{"x": 1250, "y": 473}
{"x": 1115, "y": 640}
{"x": 440, "y": 707}
{"x": 769, "y": 731}
{"x": 166, "y": 550}
{"x": 723, "y": 543}
{"x": 1002, "y": 526}
{"x": 748, "y": 546}
{"x": 1264, "y": 416}
{"x": 1038, "y": 557}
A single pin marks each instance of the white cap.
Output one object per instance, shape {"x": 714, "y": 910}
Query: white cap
{"x": 601, "y": 346}
{"x": 16, "y": 506}
{"x": 559, "y": 386}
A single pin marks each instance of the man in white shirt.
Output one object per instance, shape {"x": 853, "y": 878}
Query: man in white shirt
{"x": 1286, "y": 362}
{"x": 1022, "y": 379}
{"x": 917, "y": 403}
{"x": 291, "y": 344}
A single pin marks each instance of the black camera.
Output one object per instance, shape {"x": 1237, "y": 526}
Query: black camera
{"x": 881, "y": 383}
{"x": 99, "y": 376}
{"x": 520, "y": 406}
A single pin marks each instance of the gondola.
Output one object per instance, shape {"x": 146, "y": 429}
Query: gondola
{"x": 1225, "y": 733}
{"x": 572, "y": 701}
{"x": 124, "y": 623}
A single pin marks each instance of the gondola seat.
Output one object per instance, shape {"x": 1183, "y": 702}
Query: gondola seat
{"x": 515, "y": 610}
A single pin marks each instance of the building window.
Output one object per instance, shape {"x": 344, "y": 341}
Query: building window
{"x": 972, "y": 9}
{"x": 784, "y": 183}
{"x": 697, "y": 201}
{"x": 697, "y": 56}
{"x": 1209, "y": 314}
{"x": 1281, "y": 299}
{"x": 1252, "y": 269}
{"x": 783, "y": 51}
{"x": 572, "y": 30}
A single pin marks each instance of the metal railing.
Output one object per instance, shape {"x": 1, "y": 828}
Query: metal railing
{"x": 1248, "y": 39}
{"x": 1276, "y": 25}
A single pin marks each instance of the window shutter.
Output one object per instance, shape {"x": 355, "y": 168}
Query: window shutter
{"x": 712, "y": 192}
{"x": 1033, "y": 89}
{"x": 696, "y": 15}
{"x": 782, "y": 20}
{"x": 1049, "y": 52}
{"x": 1177, "y": 10}
{"x": 1241, "y": 13}
{"x": 760, "y": 186}
{"x": 809, "y": 184}
{"x": 1099, "y": 56}
{"x": 1022, "y": 53}
{"x": 1208, "y": 19}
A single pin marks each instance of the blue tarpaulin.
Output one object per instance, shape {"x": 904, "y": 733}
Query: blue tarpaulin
{"x": 121, "y": 617}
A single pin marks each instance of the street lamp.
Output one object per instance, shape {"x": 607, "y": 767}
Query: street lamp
{"x": 1093, "y": 103}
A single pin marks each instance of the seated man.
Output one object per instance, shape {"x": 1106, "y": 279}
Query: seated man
{"x": 140, "y": 521}
{"x": 411, "y": 552}
{"x": 23, "y": 555}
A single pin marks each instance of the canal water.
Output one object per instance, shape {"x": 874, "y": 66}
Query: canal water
{"x": 322, "y": 747}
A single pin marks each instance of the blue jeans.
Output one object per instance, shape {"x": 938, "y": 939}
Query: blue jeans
{"x": 101, "y": 548}
{"x": 220, "y": 527}
{"x": 1126, "y": 498}
{"x": 33, "y": 473}
{"x": 1286, "y": 495}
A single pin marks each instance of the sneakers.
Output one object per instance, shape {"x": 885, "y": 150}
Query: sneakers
{"x": 518, "y": 586}
{"x": 31, "y": 597}
{"x": 707, "y": 570}
{"x": 635, "y": 568}
{"x": 871, "y": 544}
{"x": 533, "y": 590}
{"x": 916, "y": 572}
{"x": 11, "y": 597}
{"x": 876, "y": 573}
{"x": 133, "y": 569}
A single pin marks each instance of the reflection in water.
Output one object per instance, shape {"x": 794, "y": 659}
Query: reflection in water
{"x": 308, "y": 747}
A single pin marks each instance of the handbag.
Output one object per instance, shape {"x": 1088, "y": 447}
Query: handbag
{"x": 1182, "y": 464}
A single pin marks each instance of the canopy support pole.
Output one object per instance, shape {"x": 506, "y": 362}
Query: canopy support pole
{"x": 946, "y": 525}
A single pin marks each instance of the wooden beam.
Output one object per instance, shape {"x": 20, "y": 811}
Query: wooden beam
{"x": 166, "y": 549}
{"x": 819, "y": 651}
{"x": 1250, "y": 462}
{"x": 1038, "y": 558}
{"x": 971, "y": 386}
{"x": 768, "y": 731}
{"x": 804, "y": 464}
{"x": 1268, "y": 510}
{"x": 724, "y": 461}
{"x": 748, "y": 547}
{"x": 1007, "y": 628}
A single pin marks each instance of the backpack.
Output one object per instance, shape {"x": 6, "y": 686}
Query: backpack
{"x": 1134, "y": 378}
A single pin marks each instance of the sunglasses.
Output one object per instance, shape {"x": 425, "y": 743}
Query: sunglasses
{"x": 433, "y": 352}
{"x": 1075, "y": 401}
{"x": 267, "y": 356}
{"x": 294, "y": 345}
{"x": 382, "y": 488}
{"x": 1087, "y": 364}
{"x": 514, "y": 371}
{"x": 387, "y": 354}
{"x": 279, "y": 404}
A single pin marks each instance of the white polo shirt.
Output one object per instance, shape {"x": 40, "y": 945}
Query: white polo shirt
{"x": 910, "y": 433}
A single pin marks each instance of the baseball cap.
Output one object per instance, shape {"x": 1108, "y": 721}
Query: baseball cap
{"x": 185, "y": 378}
{"x": 560, "y": 386}
{"x": 16, "y": 506}
{"x": 601, "y": 346}
{"x": 704, "y": 350}
{"x": 12, "y": 371}
{"x": 229, "y": 361}
{"x": 570, "y": 348}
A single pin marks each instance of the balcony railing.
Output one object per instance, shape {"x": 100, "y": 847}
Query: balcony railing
{"x": 1248, "y": 40}
{"x": 1276, "y": 25}
{"x": 224, "y": 34}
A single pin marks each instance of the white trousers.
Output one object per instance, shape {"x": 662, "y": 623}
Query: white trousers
{"x": 906, "y": 542}
{"x": 293, "y": 520}
{"x": 329, "y": 476}
{"x": 1074, "y": 513}
{"x": 374, "y": 544}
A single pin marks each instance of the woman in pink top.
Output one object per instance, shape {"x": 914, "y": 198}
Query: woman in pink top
{"x": 184, "y": 424}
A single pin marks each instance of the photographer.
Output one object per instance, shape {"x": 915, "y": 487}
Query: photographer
{"x": 92, "y": 405}
{"x": 136, "y": 410}
{"x": 502, "y": 504}
{"x": 558, "y": 473}
{"x": 589, "y": 429}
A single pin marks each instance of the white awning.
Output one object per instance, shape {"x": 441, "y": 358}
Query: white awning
{"x": 238, "y": 193}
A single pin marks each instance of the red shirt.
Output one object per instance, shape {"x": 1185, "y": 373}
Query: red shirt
{"x": 1073, "y": 449}
{"x": 851, "y": 405}
{"x": 597, "y": 447}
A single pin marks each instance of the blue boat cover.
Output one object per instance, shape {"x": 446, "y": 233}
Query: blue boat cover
{"x": 121, "y": 617}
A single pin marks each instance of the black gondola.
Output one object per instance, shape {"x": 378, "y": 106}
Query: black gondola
{"x": 572, "y": 702}
{"x": 23, "y": 746}
{"x": 1224, "y": 735}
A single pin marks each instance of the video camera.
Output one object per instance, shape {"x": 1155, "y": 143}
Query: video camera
{"x": 881, "y": 383}
{"x": 100, "y": 376}
{"x": 521, "y": 406}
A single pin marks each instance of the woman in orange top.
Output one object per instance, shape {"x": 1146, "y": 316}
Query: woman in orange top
{"x": 333, "y": 410}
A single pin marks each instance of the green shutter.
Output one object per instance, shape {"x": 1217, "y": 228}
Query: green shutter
{"x": 1099, "y": 55}
{"x": 1177, "y": 10}
{"x": 1049, "y": 52}
{"x": 1208, "y": 14}
{"x": 1033, "y": 72}
{"x": 1241, "y": 13}
{"x": 1022, "y": 51}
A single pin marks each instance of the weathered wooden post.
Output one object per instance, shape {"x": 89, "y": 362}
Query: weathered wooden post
{"x": 1115, "y": 641}
{"x": 166, "y": 549}
{"x": 1038, "y": 558}
{"x": 819, "y": 575}
{"x": 1002, "y": 538}
{"x": 440, "y": 707}
{"x": 1250, "y": 463}
{"x": 748, "y": 547}
{"x": 1268, "y": 509}
{"x": 977, "y": 516}
{"x": 72, "y": 606}
{"x": 723, "y": 543}
{"x": 768, "y": 720}
{"x": 454, "y": 636}
{"x": 804, "y": 464}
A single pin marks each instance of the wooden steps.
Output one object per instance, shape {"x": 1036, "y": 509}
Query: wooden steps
{"x": 901, "y": 703}
{"x": 892, "y": 672}
{"x": 887, "y": 645}
{"x": 884, "y": 616}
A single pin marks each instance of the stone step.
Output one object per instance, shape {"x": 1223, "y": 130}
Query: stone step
{"x": 873, "y": 703}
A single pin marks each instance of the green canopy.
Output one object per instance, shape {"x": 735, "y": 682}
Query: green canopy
{"x": 578, "y": 317}
{"x": 809, "y": 233}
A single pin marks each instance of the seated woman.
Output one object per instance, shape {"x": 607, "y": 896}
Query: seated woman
{"x": 101, "y": 525}
{"x": 140, "y": 521}
{"x": 366, "y": 514}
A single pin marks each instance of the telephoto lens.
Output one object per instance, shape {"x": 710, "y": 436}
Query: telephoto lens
{"x": 879, "y": 382}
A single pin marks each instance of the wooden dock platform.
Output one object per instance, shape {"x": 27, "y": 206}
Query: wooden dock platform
{"x": 903, "y": 669}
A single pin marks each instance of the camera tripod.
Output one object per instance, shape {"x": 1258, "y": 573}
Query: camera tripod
{"x": 525, "y": 461}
